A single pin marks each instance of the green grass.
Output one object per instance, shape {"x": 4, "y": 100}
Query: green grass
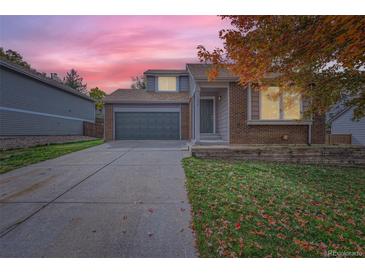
{"x": 16, "y": 158}
{"x": 246, "y": 209}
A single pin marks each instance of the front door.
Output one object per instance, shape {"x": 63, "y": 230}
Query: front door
{"x": 206, "y": 115}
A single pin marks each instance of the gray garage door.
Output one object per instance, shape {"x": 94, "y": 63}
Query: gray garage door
{"x": 147, "y": 125}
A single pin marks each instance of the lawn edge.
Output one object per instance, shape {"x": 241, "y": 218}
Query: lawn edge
{"x": 50, "y": 145}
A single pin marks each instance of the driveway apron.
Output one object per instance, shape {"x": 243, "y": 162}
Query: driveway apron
{"x": 119, "y": 199}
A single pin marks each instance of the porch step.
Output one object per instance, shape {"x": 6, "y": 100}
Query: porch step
{"x": 210, "y": 136}
{"x": 211, "y": 142}
{"x": 211, "y": 139}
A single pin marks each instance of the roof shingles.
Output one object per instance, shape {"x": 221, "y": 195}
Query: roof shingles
{"x": 166, "y": 71}
{"x": 142, "y": 96}
{"x": 200, "y": 72}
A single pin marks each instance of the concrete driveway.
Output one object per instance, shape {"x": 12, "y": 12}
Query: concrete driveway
{"x": 120, "y": 199}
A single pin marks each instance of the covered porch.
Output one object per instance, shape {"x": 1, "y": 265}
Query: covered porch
{"x": 211, "y": 114}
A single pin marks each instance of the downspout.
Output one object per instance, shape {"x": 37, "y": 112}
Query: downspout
{"x": 310, "y": 125}
{"x": 193, "y": 105}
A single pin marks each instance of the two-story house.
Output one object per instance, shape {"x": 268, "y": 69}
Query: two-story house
{"x": 183, "y": 104}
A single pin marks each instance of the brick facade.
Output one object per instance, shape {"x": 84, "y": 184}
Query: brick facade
{"x": 319, "y": 129}
{"x": 108, "y": 118}
{"x": 242, "y": 133}
{"x": 185, "y": 122}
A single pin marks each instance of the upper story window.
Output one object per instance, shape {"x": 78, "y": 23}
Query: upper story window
{"x": 276, "y": 105}
{"x": 167, "y": 84}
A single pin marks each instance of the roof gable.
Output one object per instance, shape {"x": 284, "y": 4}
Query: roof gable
{"x": 200, "y": 72}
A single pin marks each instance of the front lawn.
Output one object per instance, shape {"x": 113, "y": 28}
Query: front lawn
{"x": 246, "y": 209}
{"x": 15, "y": 158}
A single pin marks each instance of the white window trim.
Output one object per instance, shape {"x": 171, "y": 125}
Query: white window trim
{"x": 167, "y": 76}
{"x": 210, "y": 98}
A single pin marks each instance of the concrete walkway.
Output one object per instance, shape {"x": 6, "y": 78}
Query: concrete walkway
{"x": 120, "y": 199}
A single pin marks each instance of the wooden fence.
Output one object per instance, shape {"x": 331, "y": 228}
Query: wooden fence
{"x": 339, "y": 139}
{"x": 94, "y": 129}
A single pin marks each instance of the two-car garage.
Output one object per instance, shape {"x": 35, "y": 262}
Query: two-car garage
{"x": 145, "y": 115}
{"x": 147, "y": 125}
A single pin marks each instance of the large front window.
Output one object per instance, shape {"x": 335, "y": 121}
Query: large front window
{"x": 276, "y": 105}
{"x": 167, "y": 83}
{"x": 291, "y": 106}
{"x": 270, "y": 104}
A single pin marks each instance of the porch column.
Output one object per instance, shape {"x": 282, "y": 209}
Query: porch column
{"x": 197, "y": 114}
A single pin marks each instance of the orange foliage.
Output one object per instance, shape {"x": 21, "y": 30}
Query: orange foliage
{"x": 323, "y": 56}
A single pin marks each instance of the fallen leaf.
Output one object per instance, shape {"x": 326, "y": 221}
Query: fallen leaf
{"x": 304, "y": 244}
{"x": 340, "y": 227}
{"x": 323, "y": 246}
{"x": 281, "y": 236}
{"x": 241, "y": 243}
{"x": 260, "y": 224}
{"x": 351, "y": 221}
{"x": 315, "y": 203}
{"x": 208, "y": 232}
{"x": 257, "y": 245}
{"x": 258, "y": 232}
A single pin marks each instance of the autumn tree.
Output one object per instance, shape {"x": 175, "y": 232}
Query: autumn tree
{"x": 323, "y": 57}
{"x": 13, "y": 57}
{"x": 75, "y": 81}
{"x": 98, "y": 95}
{"x": 139, "y": 82}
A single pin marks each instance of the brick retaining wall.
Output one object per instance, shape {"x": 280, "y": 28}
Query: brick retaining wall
{"x": 328, "y": 155}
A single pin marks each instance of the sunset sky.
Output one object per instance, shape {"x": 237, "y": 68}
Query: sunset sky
{"x": 108, "y": 50}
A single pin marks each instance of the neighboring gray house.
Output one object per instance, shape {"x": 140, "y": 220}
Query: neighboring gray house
{"x": 342, "y": 123}
{"x": 31, "y": 104}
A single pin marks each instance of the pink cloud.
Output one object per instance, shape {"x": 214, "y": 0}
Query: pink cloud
{"x": 108, "y": 50}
